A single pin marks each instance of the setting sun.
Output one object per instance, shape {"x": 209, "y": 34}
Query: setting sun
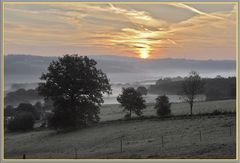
{"x": 144, "y": 53}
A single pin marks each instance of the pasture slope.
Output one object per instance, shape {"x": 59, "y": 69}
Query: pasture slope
{"x": 197, "y": 137}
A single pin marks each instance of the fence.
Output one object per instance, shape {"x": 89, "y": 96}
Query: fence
{"x": 160, "y": 143}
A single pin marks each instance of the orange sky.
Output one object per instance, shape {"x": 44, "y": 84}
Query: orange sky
{"x": 198, "y": 31}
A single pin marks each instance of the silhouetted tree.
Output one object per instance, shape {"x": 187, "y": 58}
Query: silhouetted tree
{"x": 38, "y": 105}
{"x": 23, "y": 120}
{"x": 219, "y": 77}
{"x": 21, "y": 96}
{"x": 26, "y": 107}
{"x": 162, "y": 106}
{"x": 192, "y": 86}
{"x": 48, "y": 104}
{"x": 142, "y": 90}
{"x": 233, "y": 90}
{"x": 9, "y": 111}
{"x": 131, "y": 100}
{"x": 76, "y": 87}
{"x": 213, "y": 94}
{"x": 39, "y": 108}
{"x": 214, "y": 88}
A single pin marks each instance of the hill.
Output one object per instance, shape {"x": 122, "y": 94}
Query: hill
{"x": 28, "y": 68}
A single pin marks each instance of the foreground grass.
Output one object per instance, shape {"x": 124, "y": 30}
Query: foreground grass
{"x": 149, "y": 138}
{"x": 114, "y": 111}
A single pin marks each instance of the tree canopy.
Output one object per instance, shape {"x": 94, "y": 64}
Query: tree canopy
{"x": 27, "y": 107}
{"x": 162, "y": 105}
{"x": 142, "y": 90}
{"x": 131, "y": 100}
{"x": 76, "y": 87}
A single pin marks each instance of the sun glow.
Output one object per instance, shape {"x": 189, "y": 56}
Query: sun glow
{"x": 144, "y": 53}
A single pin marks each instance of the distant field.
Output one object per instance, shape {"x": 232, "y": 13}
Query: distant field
{"x": 142, "y": 139}
{"x": 114, "y": 111}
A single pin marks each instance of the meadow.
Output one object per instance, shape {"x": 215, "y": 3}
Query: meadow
{"x": 114, "y": 111}
{"x": 196, "y": 137}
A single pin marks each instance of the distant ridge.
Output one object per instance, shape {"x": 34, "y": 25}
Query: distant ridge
{"x": 28, "y": 68}
{"x": 118, "y": 57}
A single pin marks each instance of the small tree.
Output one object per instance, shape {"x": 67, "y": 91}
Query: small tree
{"x": 163, "y": 106}
{"x": 27, "y": 107}
{"x": 142, "y": 90}
{"x": 132, "y": 101}
{"x": 192, "y": 86}
{"x": 22, "y": 121}
{"x": 76, "y": 88}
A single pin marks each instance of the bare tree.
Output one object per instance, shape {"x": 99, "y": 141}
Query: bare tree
{"x": 192, "y": 86}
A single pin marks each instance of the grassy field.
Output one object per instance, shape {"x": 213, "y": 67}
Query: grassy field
{"x": 197, "y": 137}
{"x": 142, "y": 139}
{"x": 114, "y": 111}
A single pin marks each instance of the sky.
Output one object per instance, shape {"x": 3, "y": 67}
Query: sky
{"x": 174, "y": 30}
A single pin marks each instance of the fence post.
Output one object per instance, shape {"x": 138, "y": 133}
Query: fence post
{"x": 75, "y": 151}
{"x": 162, "y": 142}
{"x": 121, "y": 143}
{"x": 200, "y": 135}
{"x": 24, "y": 156}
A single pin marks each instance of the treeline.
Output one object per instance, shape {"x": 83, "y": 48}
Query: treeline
{"x": 23, "y": 116}
{"x": 22, "y": 96}
{"x": 214, "y": 88}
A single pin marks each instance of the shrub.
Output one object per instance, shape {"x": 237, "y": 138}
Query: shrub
{"x": 27, "y": 107}
{"x": 127, "y": 116}
{"x": 142, "y": 90}
{"x": 216, "y": 112}
{"x": 162, "y": 106}
{"x": 21, "y": 122}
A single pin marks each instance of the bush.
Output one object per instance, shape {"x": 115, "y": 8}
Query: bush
{"x": 163, "y": 106}
{"x": 127, "y": 116}
{"x": 216, "y": 112}
{"x": 27, "y": 107}
{"x": 142, "y": 90}
{"x": 21, "y": 122}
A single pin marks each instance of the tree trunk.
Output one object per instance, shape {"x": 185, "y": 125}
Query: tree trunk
{"x": 191, "y": 106}
{"x": 130, "y": 115}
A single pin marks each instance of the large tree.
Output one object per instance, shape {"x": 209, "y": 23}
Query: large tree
{"x": 76, "y": 87}
{"x": 132, "y": 101}
{"x": 192, "y": 86}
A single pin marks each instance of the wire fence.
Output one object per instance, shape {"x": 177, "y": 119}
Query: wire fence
{"x": 184, "y": 138}
{"x": 162, "y": 142}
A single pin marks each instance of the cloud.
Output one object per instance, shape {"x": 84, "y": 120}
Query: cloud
{"x": 184, "y": 6}
{"x": 20, "y": 10}
{"x": 109, "y": 27}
